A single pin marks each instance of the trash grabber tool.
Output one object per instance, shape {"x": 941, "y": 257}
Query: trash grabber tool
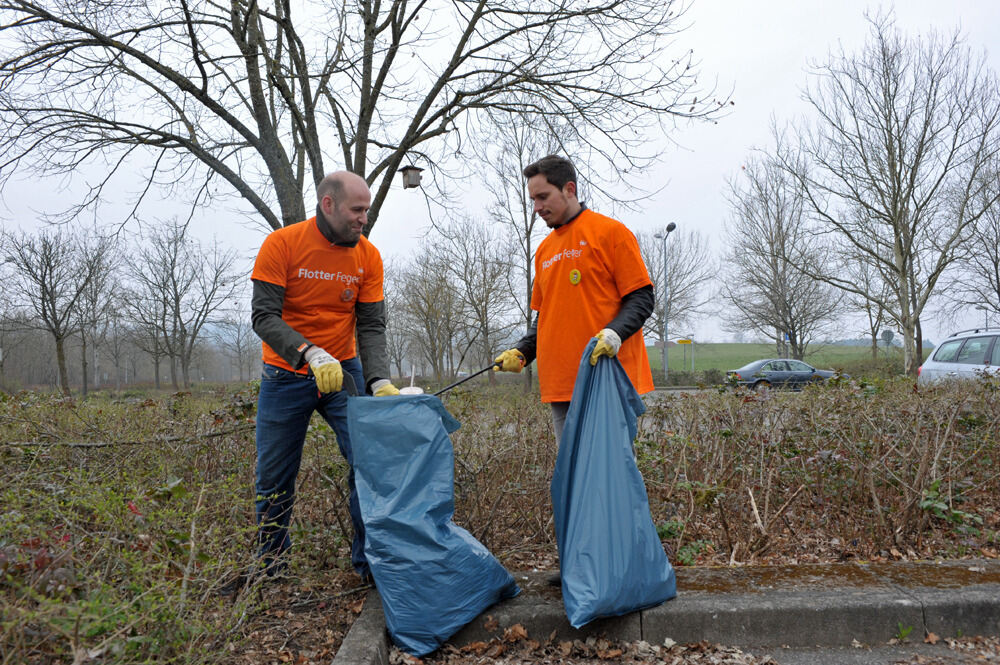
{"x": 461, "y": 381}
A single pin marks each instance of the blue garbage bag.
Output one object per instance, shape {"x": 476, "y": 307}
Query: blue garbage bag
{"x": 610, "y": 556}
{"x": 433, "y": 576}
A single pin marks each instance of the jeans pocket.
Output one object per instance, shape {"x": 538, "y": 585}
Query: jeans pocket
{"x": 272, "y": 373}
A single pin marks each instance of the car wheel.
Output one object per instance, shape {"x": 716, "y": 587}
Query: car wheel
{"x": 762, "y": 386}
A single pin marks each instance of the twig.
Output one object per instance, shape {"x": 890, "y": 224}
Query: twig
{"x": 334, "y": 596}
{"x": 192, "y": 551}
{"x": 756, "y": 515}
{"x": 105, "y": 444}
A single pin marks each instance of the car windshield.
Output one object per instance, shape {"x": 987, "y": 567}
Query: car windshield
{"x": 995, "y": 357}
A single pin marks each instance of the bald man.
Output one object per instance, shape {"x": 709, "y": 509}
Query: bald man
{"x": 315, "y": 284}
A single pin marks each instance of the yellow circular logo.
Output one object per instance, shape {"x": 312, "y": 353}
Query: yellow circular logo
{"x": 574, "y": 277}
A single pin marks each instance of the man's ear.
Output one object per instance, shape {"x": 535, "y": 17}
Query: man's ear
{"x": 326, "y": 204}
{"x": 570, "y": 188}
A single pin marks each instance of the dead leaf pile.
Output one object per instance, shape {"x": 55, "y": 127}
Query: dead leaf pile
{"x": 517, "y": 648}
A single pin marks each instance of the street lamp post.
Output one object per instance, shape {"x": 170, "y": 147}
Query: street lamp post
{"x": 666, "y": 294}
{"x": 986, "y": 315}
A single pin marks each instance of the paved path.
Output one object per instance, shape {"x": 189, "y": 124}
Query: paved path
{"x": 789, "y": 611}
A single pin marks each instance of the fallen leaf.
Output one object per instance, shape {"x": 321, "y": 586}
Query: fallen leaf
{"x": 566, "y": 648}
{"x": 515, "y": 633}
{"x": 609, "y": 654}
{"x": 490, "y": 624}
{"x": 356, "y": 606}
{"x": 477, "y": 647}
{"x": 931, "y": 638}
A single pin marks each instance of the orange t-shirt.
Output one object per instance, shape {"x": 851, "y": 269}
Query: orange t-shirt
{"x": 322, "y": 283}
{"x": 583, "y": 269}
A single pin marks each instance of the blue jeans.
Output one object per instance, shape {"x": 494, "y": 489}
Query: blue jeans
{"x": 285, "y": 405}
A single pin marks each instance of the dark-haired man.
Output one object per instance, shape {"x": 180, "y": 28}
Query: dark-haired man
{"x": 590, "y": 281}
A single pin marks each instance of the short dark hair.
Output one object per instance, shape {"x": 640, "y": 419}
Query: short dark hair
{"x": 557, "y": 170}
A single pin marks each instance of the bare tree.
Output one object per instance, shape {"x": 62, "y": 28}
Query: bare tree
{"x": 119, "y": 338}
{"x": 180, "y": 285}
{"x": 431, "y": 309}
{"x": 690, "y": 267}
{"x": 396, "y": 337}
{"x": 975, "y": 282}
{"x": 235, "y": 97}
{"x": 13, "y": 326}
{"x": 770, "y": 259}
{"x": 52, "y": 273}
{"x": 148, "y": 312}
{"x": 98, "y": 254}
{"x": 478, "y": 259}
{"x": 861, "y": 272}
{"x": 234, "y": 334}
{"x": 894, "y": 167}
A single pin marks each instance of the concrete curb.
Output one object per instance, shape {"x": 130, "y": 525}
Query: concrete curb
{"x": 790, "y": 606}
{"x": 367, "y": 642}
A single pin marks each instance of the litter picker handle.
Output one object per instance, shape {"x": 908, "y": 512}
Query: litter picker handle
{"x": 461, "y": 381}
{"x": 349, "y": 385}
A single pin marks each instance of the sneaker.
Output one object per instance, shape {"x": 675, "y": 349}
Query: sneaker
{"x": 555, "y": 579}
{"x": 367, "y": 579}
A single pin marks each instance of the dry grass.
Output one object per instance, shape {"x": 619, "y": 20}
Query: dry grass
{"x": 114, "y": 552}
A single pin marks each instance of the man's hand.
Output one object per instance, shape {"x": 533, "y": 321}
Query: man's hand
{"x": 327, "y": 370}
{"x": 384, "y": 387}
{"x": 510, "y": 360}
{"x": 608, "y": 343}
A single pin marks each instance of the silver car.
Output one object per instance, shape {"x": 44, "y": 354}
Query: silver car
{"x": 965, "y": 355}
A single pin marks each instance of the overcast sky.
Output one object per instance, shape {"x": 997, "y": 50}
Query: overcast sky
{"x": 762, "y": 50}
{"x": 758, "y": 49}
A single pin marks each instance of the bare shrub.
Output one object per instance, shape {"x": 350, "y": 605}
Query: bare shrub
{"x": 859, "y": 467}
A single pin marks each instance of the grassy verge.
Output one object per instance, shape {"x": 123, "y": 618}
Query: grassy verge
{"x": 123, "y": 517}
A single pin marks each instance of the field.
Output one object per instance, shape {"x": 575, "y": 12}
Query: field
{"x": 124, "y": 516}
{"x": 732, "y": 356}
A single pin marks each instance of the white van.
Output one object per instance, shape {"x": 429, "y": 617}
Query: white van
{"x": 965, "y": 355}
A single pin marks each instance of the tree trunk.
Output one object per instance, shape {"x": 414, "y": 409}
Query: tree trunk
{"x": 920, "y": 344}
{"x": 61, "y": 361}
{"x": 83, "y": 363}
{"x": 909, "y": 350}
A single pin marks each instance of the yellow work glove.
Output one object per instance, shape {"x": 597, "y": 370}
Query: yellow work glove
{"x": 608, "y": 343}
{"x": 327, "y": 370}
{"x": 384, "y": 387}
{"x": 510, "y": 360}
